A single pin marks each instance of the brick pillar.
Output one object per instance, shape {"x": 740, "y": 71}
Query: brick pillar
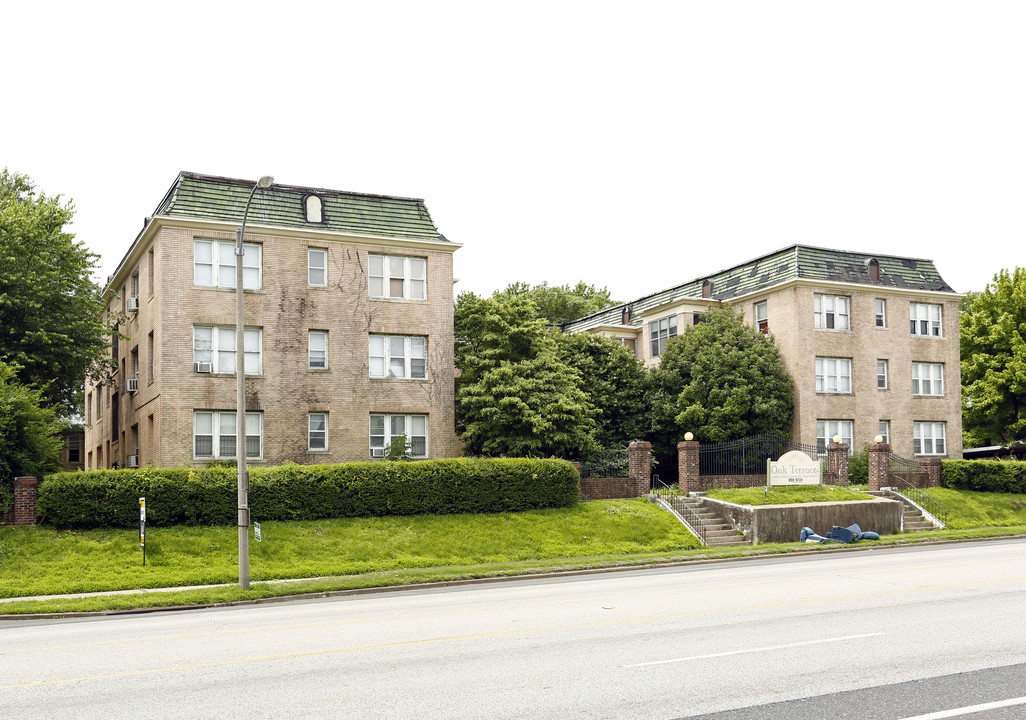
{"x": 687, "y": 466}
{"x": 932, "y": 467}
{"x": 837, "y": 462}
{"x": 26, "y": 490}
{"x": 639, "y": 466}
{"x": 879, "y": 457}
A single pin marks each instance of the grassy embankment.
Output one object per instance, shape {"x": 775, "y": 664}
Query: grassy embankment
{"x": 375, "y": 552}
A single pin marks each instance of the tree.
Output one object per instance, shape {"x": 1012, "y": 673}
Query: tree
{"x": 992, "y": 327}
{"x": 51, "y": 325}
{"x": 514, "y": 396}
{"x": 614, "y": 381}
{"x": 30, "y": 441}
{"x": 720, "y": 380}
{"x": 559, "y": 304}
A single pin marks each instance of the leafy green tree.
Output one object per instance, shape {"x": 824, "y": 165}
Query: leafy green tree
{"x": 30, "y": 441}
{"x": 614, "y": 381}
{"x": 51, "y": 327}
{"x": 514, "y": 396}
{"x": 559, "y": 304}
{"x": 992, "y": 328}
{"x": 720, "y": 380}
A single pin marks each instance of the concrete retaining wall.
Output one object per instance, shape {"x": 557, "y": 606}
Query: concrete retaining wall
{"x": 783, "y": 523}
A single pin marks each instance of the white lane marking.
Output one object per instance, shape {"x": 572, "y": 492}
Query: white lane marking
{"x": 755, "y": 650}
{"x": 970, "y": 709}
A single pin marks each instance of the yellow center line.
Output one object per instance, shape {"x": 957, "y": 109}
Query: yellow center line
{"x": 499, "y": 634}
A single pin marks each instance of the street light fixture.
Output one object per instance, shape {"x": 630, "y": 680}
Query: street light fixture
{"x": 240, "y": 393}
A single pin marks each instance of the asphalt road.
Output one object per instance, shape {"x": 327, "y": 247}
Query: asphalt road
{"x": 896, "y": 633}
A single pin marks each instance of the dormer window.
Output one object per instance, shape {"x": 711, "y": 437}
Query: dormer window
{"x": 874, "y": 269}
{"x": 707, "y": 289}
{"x": 314, "y": 209}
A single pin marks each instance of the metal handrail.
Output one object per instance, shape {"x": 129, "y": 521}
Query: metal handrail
{"x": 916, "y": 496}
{"x": 682, "y": 510}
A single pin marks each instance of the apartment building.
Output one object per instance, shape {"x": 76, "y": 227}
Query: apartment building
{"x": 871, "y": 341}
{"x": 348, "y": 330}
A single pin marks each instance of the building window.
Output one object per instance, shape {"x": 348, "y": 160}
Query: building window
{"x": 399, "y": 278}
{"x": 216, "y": 345}
{"x": 762, "y": 317}
{"x": 398, "y": 356}
{"x": 826, "y": 430}
{"x": 317, "y": 350}
{"x": 134, "y": 286}
{"x": 214, "y": 264}
{"x": 881, "y": 313}
{"x": 74, "y": 449}
{"x": 885, "y": 431}
{"x": 833, "y": 375}
{"x": 214, "y": 434}
{"x": 927, "y": 378}
{"x": 149, "y": 272}
{"x": 925, "y": 319}
{"x": 384, "y": 429}
{"x": 928, "y": 438}
{"x": 149, "y": 358}
{"x": 317, "y": 267}
{"x": 881, "y": 374}
{"x": 314, "y": 209}
{"x": 831, "y": 312}
{"x": 660, "y": 331}
{"x": 317, "y": 431}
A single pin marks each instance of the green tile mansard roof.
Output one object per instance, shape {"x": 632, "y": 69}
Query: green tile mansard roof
{"x": 797, "y": 262}
{"x": 218, "y": 198}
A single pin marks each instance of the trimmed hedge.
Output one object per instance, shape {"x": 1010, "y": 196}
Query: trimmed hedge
{"x": 208, "y": 496}
{"x": 1002, "y": 476}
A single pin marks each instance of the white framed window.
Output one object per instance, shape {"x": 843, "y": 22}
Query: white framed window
{"x": 213, "y": 264}
{"x": 216, "y": 345}
{"x": 397, "y": 277}
{"x": 884, "y": 431}
{"x": 927, "y": 378}
{"x": 881, "y": 312}
{"x": 832, "y": 312}
{"x": 881, "y": 374}
{"x": 317, "y": 431}
{"x": 317, "y": 350}
{"x": 659, "y": 332}
{"x": 317, "y": 266}
{"x": 398, "y": 356}
{"x": 762, "y": 317}
{"x": 928, "y": 438}
{"x": 827, "y": 430}
{"x": 386, "y": 428}
{"x": 925, "y": 319}
{"x": 833, "y": 375}
{"x": 214, "y": 434}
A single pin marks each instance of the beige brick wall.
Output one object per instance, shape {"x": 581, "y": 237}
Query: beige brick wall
{"x": 285, "y": 309}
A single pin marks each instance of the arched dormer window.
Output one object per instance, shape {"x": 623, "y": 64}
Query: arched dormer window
{"x": 313, "y": 208}
{"x": 707, "y": 289}
{"x": 874, "y": 269}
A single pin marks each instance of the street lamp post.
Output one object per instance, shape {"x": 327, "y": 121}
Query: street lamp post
{"x": 240, "y": 393}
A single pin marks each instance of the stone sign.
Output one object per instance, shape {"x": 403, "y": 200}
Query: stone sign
{"x": 794, "y": 468}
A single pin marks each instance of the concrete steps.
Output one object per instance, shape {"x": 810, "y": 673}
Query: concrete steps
{"x": 912, "y": 519}
{"x": 718, "y": 532}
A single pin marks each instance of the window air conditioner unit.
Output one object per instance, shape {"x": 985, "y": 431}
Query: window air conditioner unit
{"x": 133, "y": 304}
{"x": 133, "y": 461}
{"x": 131, "y": 385}
{"x": 204, "y": 367}
{"x": 377, "y": 452}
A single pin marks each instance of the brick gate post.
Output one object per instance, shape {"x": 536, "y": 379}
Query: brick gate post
{"x": 26, "y": 491}
{"x": 639, "y": 466}
{"x": 879, "y": 458}
{"x": 837, "y": 462}
{"x": 932, "y": 467}
{"x": 687, "y": 467}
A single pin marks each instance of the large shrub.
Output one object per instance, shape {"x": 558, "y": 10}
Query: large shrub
{"x": 984, "y": 475}
{"x": 207, "y": 496}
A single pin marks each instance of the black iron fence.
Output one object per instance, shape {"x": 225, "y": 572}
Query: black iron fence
{"x": 901, "y": 472}
{"x": 746, "y": 456}
{"x": 612, "y": 465}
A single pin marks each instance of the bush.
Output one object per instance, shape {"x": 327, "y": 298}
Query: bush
{"x": 858, "y": 467}
{"x": 6, "y": 499}
{"x": 1001, "y": 476}
{"x": 207, "y": 496}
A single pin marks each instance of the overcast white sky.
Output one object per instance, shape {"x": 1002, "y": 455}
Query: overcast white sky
{"x": 631, "y": 145}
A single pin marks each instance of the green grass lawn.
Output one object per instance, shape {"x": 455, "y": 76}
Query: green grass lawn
{"x": 41, "y": 561}
{"x": 969, "y": 509}
{"x": 788, "y": 495}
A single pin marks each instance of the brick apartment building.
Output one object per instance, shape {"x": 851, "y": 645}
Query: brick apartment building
{"x": 871, "y": 341}
{"x": 348, "y": 330}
